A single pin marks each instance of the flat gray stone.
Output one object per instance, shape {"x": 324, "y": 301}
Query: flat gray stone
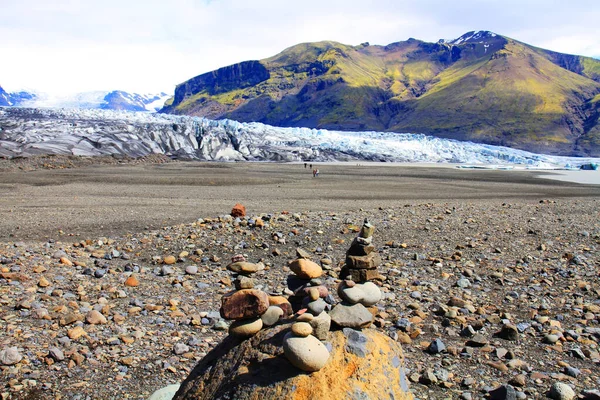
{"x": 351, "y": 316}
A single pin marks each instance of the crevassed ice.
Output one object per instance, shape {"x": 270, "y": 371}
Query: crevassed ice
{"x": 27, "y": 132}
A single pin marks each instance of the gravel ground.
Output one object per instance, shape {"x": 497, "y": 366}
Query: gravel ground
{"x": 465, "y": 253}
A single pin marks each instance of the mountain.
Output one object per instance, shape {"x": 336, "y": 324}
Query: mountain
{"x": 105, "y": 100}
{"x": 14, "y": 99}
{"x": 482, "y": 87}
{"x": 28, "y": 132}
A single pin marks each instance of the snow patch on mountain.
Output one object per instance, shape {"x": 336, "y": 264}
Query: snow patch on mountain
{"x": 106, "y": 100}
{"x": 90, "y": 132}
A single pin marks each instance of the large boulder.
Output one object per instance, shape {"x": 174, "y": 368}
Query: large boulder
{"x": 257, "y": 369}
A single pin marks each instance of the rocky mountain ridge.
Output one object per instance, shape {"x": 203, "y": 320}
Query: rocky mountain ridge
{"x": 483, "y": 87}
{"x": 104, "y": 100}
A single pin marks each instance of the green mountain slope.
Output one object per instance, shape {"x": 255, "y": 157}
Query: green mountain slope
{"x": 482, "y": 87}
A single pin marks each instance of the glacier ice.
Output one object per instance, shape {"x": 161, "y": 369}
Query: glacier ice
{"x": 89, "y": 132}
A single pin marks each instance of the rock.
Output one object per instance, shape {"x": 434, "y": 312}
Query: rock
{"x": 10, "y": 356}
{"x": 56, "y": 354}
{"x": 132, "y": 281}
{"x": 282, "y": 303}
{"x": 191, "y": 269}
{"x": 244, "y": 267}
{"x": 591, "y": 394}
{"x": 316, "y": 307}
{"x": 95, "y": 317}
{"x": 169, "y": 260}
{"x": 321, "y": 325}
{"x": 351, "y": 316}
{"x": 302, "y": 329}
{"x": 245, "y": 303}
{"x": 508, "y": 332}
{"x": 43, "y": 282}
{"x": 272, "y": 315}
{"x": 243, "y": 282}
{"x": 313, "y": 293}
{"x": 366, "y": 293}
{"x": 356, "y": 342}
{"x": 246, "y": 327}
{"x": 76, "y": 333}
{"x": 504, "y": 392}
{"x": 305, "y": 269}
{"x": 306, "y": 353}
{"x": 370, "y": 261}
{"x": 180, "y": 348}
{"x": 436, "y": 346}
{"x": 463, "y": 283}
{"x": 301, "y": 253}
{"x": 551, "y": 338}
{"x": 561, "y": 391}
{"x": 238, "y": 211}
{"x": 166, "y": 393}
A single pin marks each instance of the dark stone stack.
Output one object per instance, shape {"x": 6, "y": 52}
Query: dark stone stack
{"x": 361, "y": 258}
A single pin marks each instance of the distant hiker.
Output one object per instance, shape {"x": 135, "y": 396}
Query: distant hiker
{"x": 314, "y": 173}
{"x": 305, "y": 165}
{"x": 310, "y": 166}
{"x": 317, "y": 172}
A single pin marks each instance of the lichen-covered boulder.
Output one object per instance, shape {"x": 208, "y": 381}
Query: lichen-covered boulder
{"x": 257, "y": 369}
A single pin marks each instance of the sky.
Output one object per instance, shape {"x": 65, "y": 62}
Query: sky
{"x": 68, "y": 46}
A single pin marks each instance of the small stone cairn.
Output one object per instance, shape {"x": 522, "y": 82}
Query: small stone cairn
{"x": 250, "y": 308}
{"x": 356, "y": 290}
{"x": 303, "y": 345}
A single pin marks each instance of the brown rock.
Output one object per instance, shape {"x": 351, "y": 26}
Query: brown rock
{"x": 76, "y": 333}
{"x": 223, "y": 373}
{"x": 370, "y": 261}
{"x": 94, "y": 317}
{"x": 245, "y": 303}
{"x": 66, "y": 261}
{"x": 360, "y": 275}
{"x": 132, "y": 281}
{"x": 282, "y": 303}
{"x": 305, "y": 269}
{"x": 169, "y": 260}
{"x": 238, "y": 210}
{"x": 43, "y": 282}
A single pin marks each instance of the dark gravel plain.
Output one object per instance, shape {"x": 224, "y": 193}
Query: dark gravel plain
{"x": 466, "y": 253}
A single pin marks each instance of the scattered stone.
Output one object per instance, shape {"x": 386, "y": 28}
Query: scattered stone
{"x": 169, "y": 260}
{"x": 10, "y": 356}
{"x": 367, "y": 293}
{"x": 504, "y": 392}
{"x": 238, "y": 211}
{"x": 436, "y": 346}
{"x": 95, "y": 317}
{"x": 132, "y": 281}
{"x": 561, "y": 391}
{"x": 191, "y": 270}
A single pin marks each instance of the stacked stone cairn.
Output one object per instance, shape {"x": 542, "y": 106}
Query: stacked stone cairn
{"x": 303, "y": 345}
{"x": 251, "y": 309}
{"x": 359, "y": 295}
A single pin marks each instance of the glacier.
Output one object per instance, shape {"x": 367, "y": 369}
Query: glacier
{"x": 90, "y": 132}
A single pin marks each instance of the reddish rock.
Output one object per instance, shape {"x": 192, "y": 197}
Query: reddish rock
{"x": 238, "y": 211}
{"x": 245, "y": 303}
{"x": 132, "y": 281}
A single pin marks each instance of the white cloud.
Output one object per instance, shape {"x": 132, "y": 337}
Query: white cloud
{"x": 76, "y": 45}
